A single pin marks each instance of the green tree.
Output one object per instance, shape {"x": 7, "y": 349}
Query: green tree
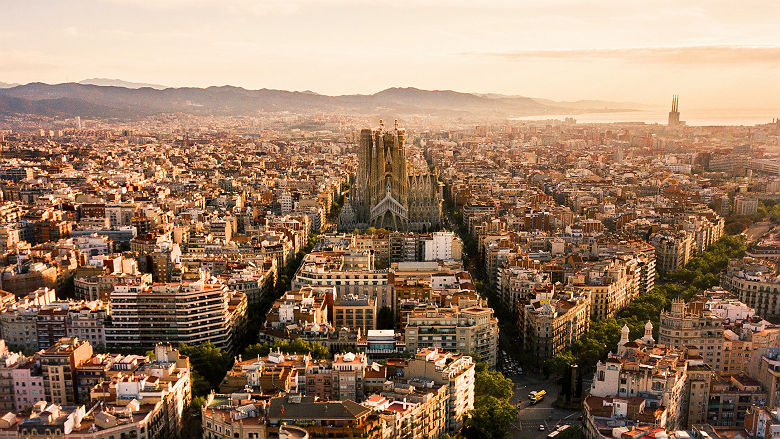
{"x": 560, "y": 362}
{"x": 200, "y": 386}
{"x": 491, "y": 382}
{"x": 208, "y": 363}
{"x": 701, "y": 272}
{"x": 490, "y": 419}
{"x": 255, "y": 350}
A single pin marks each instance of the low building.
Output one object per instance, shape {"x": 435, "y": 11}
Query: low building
{"x": 654, "y": 373}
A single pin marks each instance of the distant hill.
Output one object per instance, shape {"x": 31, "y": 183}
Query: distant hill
{"x": 110, "y": 101}
{"x": 119, "y": 83}
{"x": 7, "y": 85}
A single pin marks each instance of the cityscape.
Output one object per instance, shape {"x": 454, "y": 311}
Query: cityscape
{"x": 246, "y": 261}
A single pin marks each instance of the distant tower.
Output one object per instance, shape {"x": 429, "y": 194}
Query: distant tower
{"x": 674, "y": 115}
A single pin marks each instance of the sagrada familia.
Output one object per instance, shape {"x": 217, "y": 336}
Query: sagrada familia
{"x": 388, "y": 192}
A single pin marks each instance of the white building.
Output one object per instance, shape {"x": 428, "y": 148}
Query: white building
{"x": 439, "y": 246}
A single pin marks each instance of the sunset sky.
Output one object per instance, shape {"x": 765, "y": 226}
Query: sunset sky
{"x": 715, "y": 54}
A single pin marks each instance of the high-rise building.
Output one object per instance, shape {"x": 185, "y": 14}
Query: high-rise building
{"x": 180, "y": 313}
{"x": 391, "y": 192}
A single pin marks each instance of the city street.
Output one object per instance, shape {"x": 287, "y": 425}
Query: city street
{"x": 529, "y": 417}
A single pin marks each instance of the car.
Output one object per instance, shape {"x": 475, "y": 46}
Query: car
{"x": 541, "y": 427}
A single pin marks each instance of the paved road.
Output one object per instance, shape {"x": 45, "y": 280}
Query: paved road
{"x": 756, "y": 231}
{"x": 529, "y": 417}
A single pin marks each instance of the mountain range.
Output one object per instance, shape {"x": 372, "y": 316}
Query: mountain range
{"x": 119, "y": 99}
{"x": 119, "y": 83}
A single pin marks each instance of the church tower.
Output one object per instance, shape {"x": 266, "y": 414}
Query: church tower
{"x": 623, "y": 340}
{"x": 387, "y": 194}
{"x": 648, "y": 339}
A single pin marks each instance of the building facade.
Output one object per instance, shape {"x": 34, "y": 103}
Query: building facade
{"x": 390, "y": 193}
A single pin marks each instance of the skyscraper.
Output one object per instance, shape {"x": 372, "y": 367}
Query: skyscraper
{"x": 674, "y": 115}
{"x": 390, "y": 193}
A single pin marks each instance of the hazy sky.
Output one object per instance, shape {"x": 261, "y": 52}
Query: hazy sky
{"x": 713, "y": 53}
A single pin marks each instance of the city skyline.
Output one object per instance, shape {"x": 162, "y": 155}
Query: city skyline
{"x": 715, "y": 54}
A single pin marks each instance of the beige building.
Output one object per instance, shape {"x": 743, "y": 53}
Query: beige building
{"x": 756, "y": 283}
{"x": 655, "y": 373}
{"x": 355, "y": 312}
{"x": 693, "y": 327}
{"x": 610, "y": 284}
{"x": 58, "y": 364}
{"x": 225, "y": 416}
{"x": 468, "y": 330}
{"x": 551, "y": 323}
{"x": 769, "y": 375}
{"x": 350, "y": 272}
{"x": 415, "y": 410}
{"x": 455, "y": 372}
{"x": 347, "y": 372}
{"x": 745, "y": 205}
{"x": 672, "y": 250}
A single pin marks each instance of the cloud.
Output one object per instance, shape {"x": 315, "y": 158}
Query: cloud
{"x": 667, "y": 55}
{"x": 234, "y": 7}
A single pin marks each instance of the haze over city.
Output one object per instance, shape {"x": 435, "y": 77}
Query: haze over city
{"x": 718, "y": 55}
{"x": 432, "y": 219}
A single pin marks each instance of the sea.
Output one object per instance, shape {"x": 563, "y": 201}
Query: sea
{"x": 692, "y": 118}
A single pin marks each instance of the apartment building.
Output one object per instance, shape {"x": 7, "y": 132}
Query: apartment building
{"x": 355, "y": 312}
{"x": 349, "y": 272}
{"x": 693, "y": 325}
{"x": 768, "y": 374}
{"x": 610, "y": 284}
{"x": 178, "y": 313}
{"x": 58, "y": 365}
{"x": 228, "y": 416}
{"x": 468, "y": 330}
{"x": 672, "y": 250}
{"x": 552, "y": 322}
{"x": 9, "y": 361}
{"x": 347, "y": 372}
{"x": 416, "y": 409}
{"x": 517, "y": 282}
{"x": 756, "y": 283}
{"x": 730, "y": 398}
{"x": 745, "y": 205}
{"x": 307, "y": 305}
{"x": 455, "y": 372}
{"x": 656, "y": 374}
